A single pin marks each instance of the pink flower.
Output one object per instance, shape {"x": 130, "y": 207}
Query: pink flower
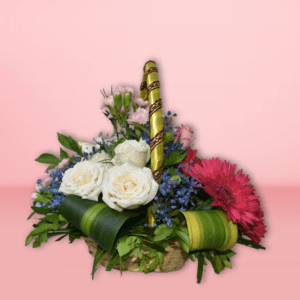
{"x": 140, "y": 101}
{"x": 33, "y": 196}
{"x": 107, "y": 101}
{"x": 37, "y": 187}
{"x": 46, "y": 182}
{"x": 185, "y": 134}
{"x": 123, "y": 90}
{"x": 140, "y": 116}
{"x": 65, "y": 162}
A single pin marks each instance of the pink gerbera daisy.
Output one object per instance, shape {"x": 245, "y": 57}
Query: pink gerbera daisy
{"x": 232, "y": 193}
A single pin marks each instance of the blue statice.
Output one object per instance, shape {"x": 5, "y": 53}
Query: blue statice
{"x": 57, "y": 198}
{"x": 173, "y": 195}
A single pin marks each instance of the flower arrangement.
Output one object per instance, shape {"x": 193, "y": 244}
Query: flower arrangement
{"x": 141, "y": 198}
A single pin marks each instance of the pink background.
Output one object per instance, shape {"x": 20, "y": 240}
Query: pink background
{"x": 229, "y": 69}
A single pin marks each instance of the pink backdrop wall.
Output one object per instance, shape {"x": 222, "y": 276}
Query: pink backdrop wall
{"x": 230, "y": 69}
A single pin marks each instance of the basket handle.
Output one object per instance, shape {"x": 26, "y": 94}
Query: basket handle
{"x": 150, "y": 91}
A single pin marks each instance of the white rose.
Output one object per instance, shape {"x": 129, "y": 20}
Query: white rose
{"x": 84, "y": 179}
{"x": 128, "y": 187}
{"x": 137, "y": 153}
{"x": 86, "y": 147}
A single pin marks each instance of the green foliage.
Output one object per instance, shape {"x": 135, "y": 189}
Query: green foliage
{"x": 69, "y": 143}
{"x": 49, "y": 224}
{"x": 97, "y": 259}
{"x": 162, "y": 232}
{"x": 248, "y": 242}
{"x": 201, "y": 204}
{"x": 175, "y": 158}
{"x": 168, "y": 137}
{"x": 142, "y": 127}
{"x": 218, "y": 259}
{"x": 63, "y": 154}
{"x": 47, "y": 158}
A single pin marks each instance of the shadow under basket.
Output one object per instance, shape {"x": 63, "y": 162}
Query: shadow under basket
{"x": 174, "y": 258}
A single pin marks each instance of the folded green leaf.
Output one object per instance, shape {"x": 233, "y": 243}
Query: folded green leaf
{"x": 97, "y": 220}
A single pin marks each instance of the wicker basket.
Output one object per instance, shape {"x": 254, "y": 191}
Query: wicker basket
{"x": 174, "y": 258}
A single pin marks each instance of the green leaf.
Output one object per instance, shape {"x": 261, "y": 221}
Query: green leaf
{"x": 97, "y": 259}
{"x": 162, "y": 232}
{"x": 44, "y": 237}
{"x": 29, "y": 238}
{"x": 31, "y": 215}
{"x": 175, "y": 158}
{"x": 123, "y": 247}
{"x": 62, "y": 219}
{"x": 131, "y": 240}
{"x": 64, "y": 140}
{"x": 47, "y": 158}
{"x": 184, "y": 236}
{"x": 42, "y": 199}
{"x": 41, "y": 210}
{"x": 63, "y": 154}
{"x": 51, "y": 167}
{"x": 137, "y": 125}
{"x": 200, "y": 258}
{"x": 219, "y": 264}
{"x": 143, "y": 265}
{"x": 154, "y": 208}
{"x": 43, "y": 227}
{"x": 175, "y": 178}
{"x": 69, "y": 143}
{"x": 227, "y": 264}
{"x": 249, "y": 243}
{"x": 184, "y": 246}
{"x": 161, "y": 258}
{"x": 154, "y": 264}
{"x": 74, "y": 146}
{"x": 52, "y": 218}
{"x": 61, "y": 237}
{"x": 192, "y": 257}
{"x": 168, "y": 137}
{"x": 114, "y": 260}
